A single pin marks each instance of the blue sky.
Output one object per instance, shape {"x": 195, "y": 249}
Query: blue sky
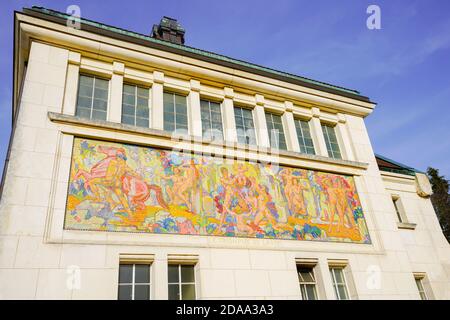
{"x": 404, "y": 67}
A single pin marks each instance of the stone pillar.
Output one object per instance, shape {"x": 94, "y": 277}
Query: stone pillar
{"x": 115, "y": 101}
{"x": 71, "y": 90}
{"x": 289, "y": 128}
{"x": 230, "y": 134}
{"x": 194, "y": 112}
{"x": 345, "y": 143}
{"x": 159, "y": 277}
{"x": 157, "y": 110}
{"x": 317, "y": 134}
{"x": 260, "y": 122}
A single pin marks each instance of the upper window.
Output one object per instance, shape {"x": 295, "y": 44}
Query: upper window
{"x": 135, "y": 106}
{"x": 304, "y": 136}
{"x": 419, "y": 283}
{"x": 276, "y": 133}
{"x": 212, "y": 126}
{"x": 245, "y": 128}
{"x": 397, "y": 206}
{"x": 92, "y": 100}
{"x": 307, "y": 282}
{"x": 329, "y": 134}
{"x": 181, "y": 282}
{"x": 339, "y": 283}
{"x": 175, "y": 113}
{"x": 134, "y": 282}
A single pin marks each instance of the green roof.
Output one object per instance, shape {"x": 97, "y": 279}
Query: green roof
{"x": 254, "y": 67}
{"x": 396, "y": 167}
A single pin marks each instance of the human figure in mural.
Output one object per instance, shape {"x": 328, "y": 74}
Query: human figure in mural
{"x": 265, "y": 209}
{"x": 111, "y": 177}
{"x": 336, "y": 192}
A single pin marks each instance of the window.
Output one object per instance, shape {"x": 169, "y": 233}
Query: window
{"x": 135, "y": 107}
{"x": 276, "y": 133}
{"x": 244, "y": 126}
{"x": 329, "y": 134}
{"x": 304, "y": 136}
{"x": 339, "y": 284}
{"x": 175, "y": 113}
{"x": 212, "y": 127}
{"x": 419, "y": 283}
{"x": 396, "y": 201}
{"x": 307, "y": 282}
{"x": 134, "y": 282}
{"x": 92, "y": 99}
{"x": 181, "y": 282}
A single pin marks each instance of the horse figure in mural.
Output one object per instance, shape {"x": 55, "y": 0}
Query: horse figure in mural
{"x": 111, "y": 176}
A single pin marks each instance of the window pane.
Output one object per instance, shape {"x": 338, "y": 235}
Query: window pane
{"x": 101, "y": 84}
{"x": 141, "y": 292}
{"x": 311, "y": 291}
{"x": 101, "y": 94}
{"x": 128, "y": 119}
{"x": 128, "y": 99}
{"x": 187, "y": 273}
{"x": 142, "y": 273}
{"x": 83, "y": 112}
{"x": 128, "y": 89}
{"x": 128, "y": 110}
{"x": 342, "y": 292}
{"x": 188, "y": 291}
{"x": 338, "y": 275}
{"x": 305, "y": 275}
{"x": 143, "y": 92}
{"x": 85, "y": 91}
{"x": 173, "y": 273}
{"x": 174, "y": 293}
{"x": 84, "y": 102}
{"x": 125, "y": 273}
{"x": 86, "y": 80}
{"x": 142, "y": 112}
{"x": 142, "y": 122}
{"x": 125, "y": 292}
{"x": 98, "y": 115}
{"x": 100, "y": 105}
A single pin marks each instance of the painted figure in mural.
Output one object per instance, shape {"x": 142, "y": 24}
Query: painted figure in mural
{"x": 104, "y": 178}
{"x": 184, "y": 182}
{"x": 293, "y": 190}
{"x": 112, "y": 177}
{"x": 336, "y": 191}
{"x": 265, "y": 209}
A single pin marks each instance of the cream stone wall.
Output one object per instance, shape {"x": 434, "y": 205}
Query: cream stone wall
{"x": 39, "y": 259}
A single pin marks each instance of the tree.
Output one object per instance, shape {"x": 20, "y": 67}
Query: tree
{"x": 440, "y": 199}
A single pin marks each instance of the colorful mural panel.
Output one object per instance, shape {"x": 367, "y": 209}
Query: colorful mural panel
{"x": 121, "y": 187}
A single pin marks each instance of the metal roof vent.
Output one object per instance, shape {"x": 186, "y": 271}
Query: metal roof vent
{"x": 170, "y": 30}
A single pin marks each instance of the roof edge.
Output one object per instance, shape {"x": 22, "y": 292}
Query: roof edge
{"x": 126, "y": 35}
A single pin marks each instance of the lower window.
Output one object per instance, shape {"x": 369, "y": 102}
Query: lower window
{"x": 307, "y": 281}
{"x": 134, "y": 282}
{"x": 339, "y": 283}
{"x": 181, "y": 282}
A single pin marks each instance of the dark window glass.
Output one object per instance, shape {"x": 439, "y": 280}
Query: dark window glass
{"x": 245, "y": 128}
{"x": 92, "y": 99}
{"x": 304, "y": 136}
{"x": 275, "y": 130}
{"x": 329, "y": 133}
{"x": 175, "y": 113}
{"x": 135, "y": 106}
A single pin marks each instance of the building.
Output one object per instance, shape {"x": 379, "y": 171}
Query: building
{"x": 140, "y": 167}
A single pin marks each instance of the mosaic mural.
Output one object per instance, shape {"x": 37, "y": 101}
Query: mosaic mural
{"x": 121, "y": 187}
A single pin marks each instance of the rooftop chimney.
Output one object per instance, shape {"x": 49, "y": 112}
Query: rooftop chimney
{"x": 168, "y": 29}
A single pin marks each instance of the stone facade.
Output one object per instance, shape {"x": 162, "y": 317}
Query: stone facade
{"x": 38, "y": 257}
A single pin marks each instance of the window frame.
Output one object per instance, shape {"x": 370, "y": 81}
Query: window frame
{"x": 180, "y": 282}
{"x": 326, "y": 136}
{"x": 241, "y": 108}
{"x": 335, "y": 284}
{"x": 133, "y": 277}
{"x": 92, "y": 98}
{"x": 298, "y": 121}
{"x": 174, "y": 94}
{"x": 136, "y": 86}
{"x": 272, "y": 114}
{"x": 418, "y": 278}
{"x": 220, "y": 107}
{"x": 303, "y": 284}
